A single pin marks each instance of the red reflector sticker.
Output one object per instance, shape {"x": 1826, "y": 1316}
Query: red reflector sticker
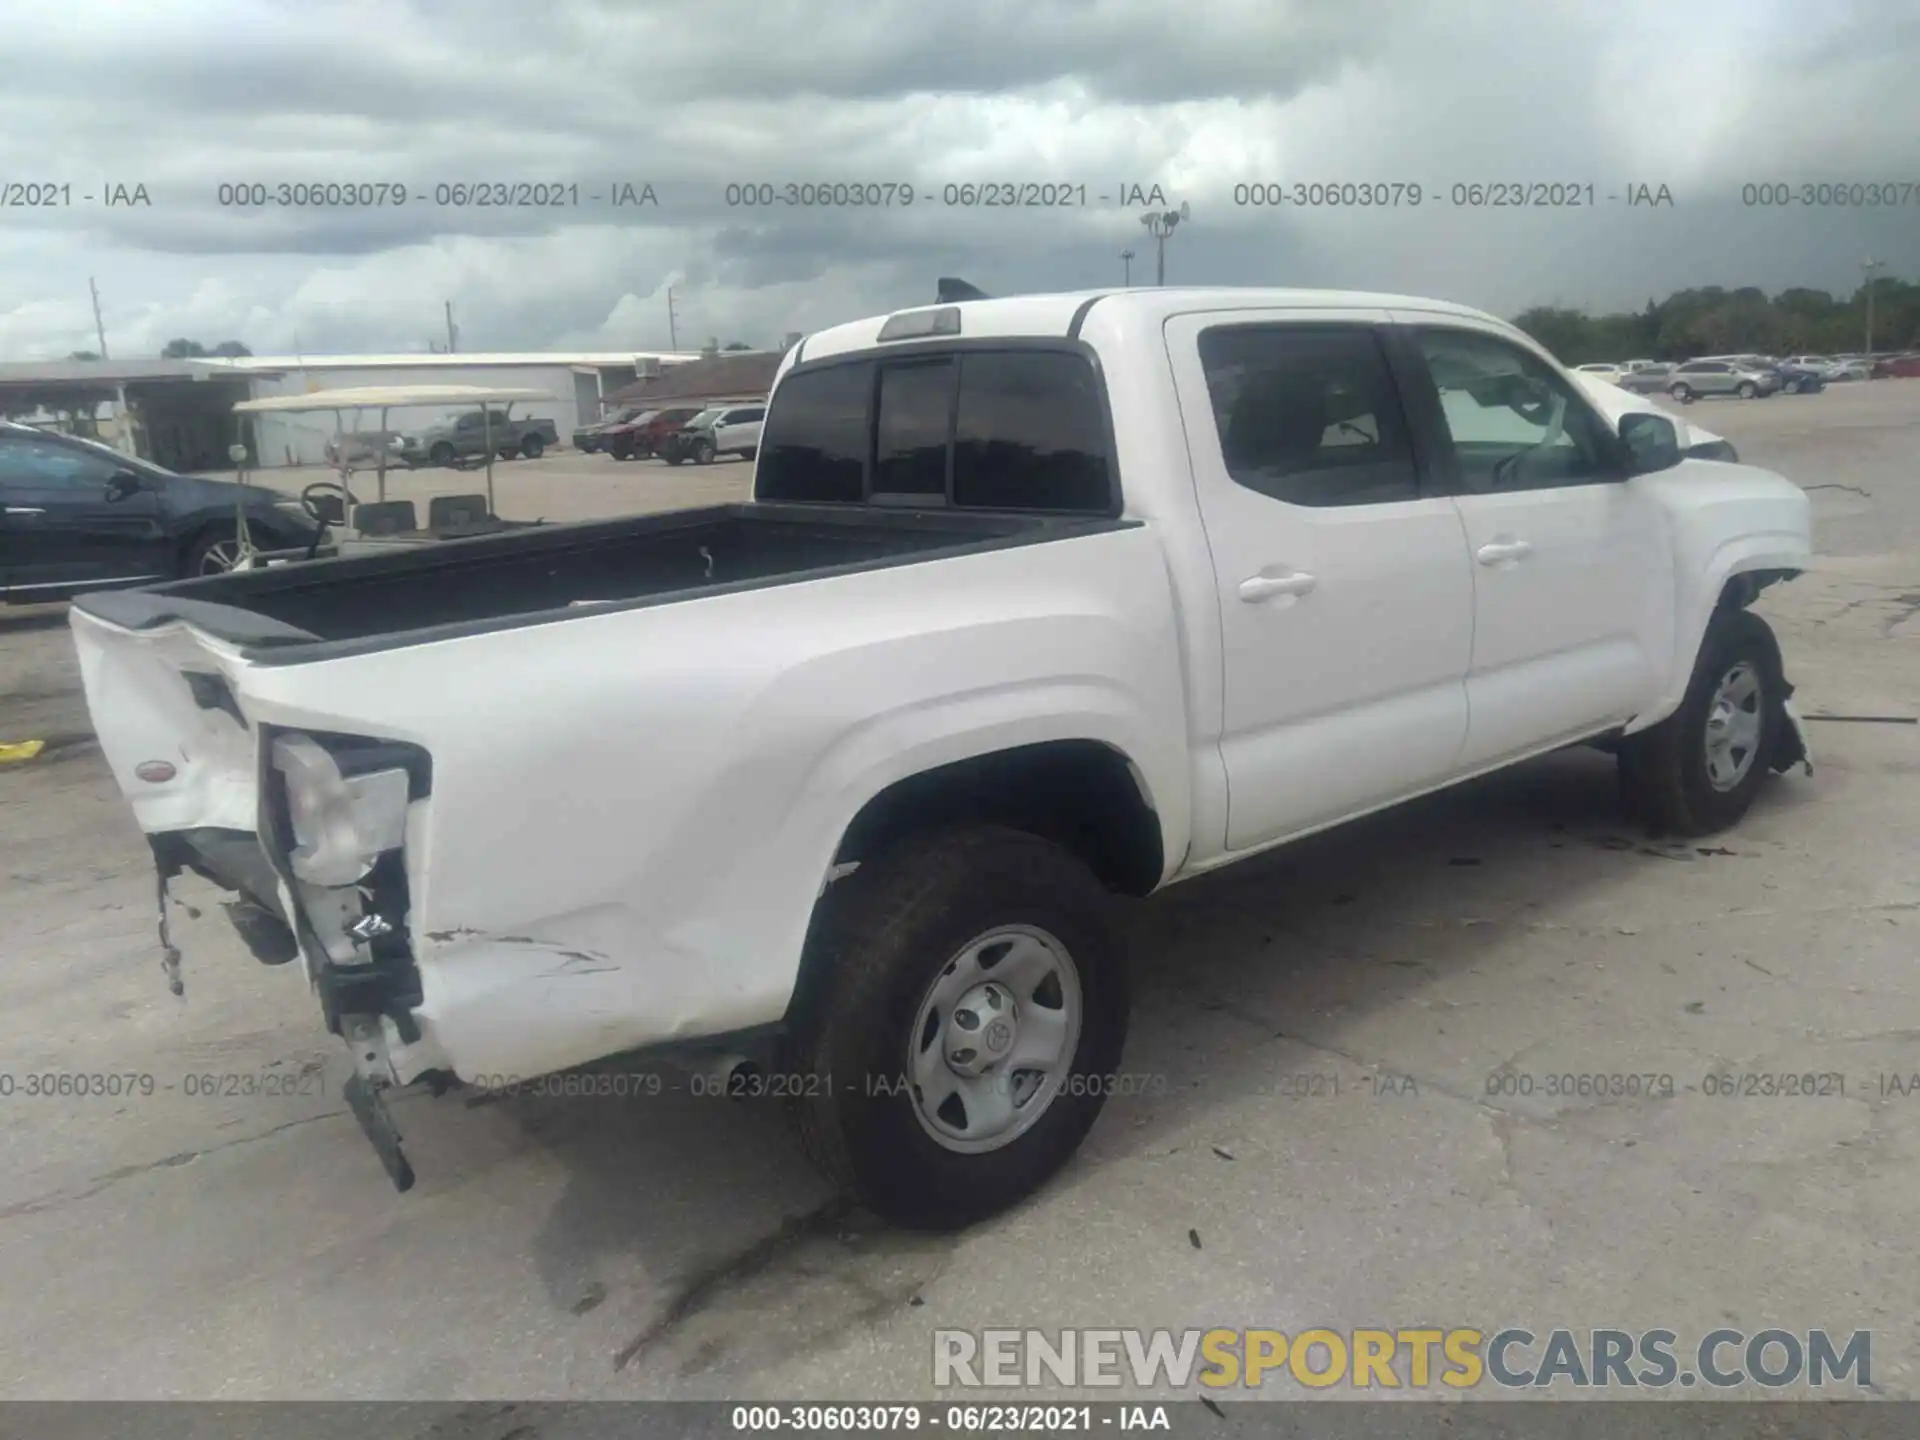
{"x": 154, "y": 771}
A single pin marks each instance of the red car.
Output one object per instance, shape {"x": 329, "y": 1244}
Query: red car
{"x": 1900, "y": 367}
{"x": 643, "y": 435}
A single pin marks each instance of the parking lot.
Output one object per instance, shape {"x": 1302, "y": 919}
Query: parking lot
{"x": 1329, "y": 1125}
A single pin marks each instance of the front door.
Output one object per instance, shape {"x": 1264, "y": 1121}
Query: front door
{"x": 1344, "y": 587}
{"x": 1572, "y": 576}
{"x": 60, "y": 523}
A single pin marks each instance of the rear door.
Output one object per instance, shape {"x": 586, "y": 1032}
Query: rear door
{"x": 1572, "y": 573}
{"x": 739, "y": 429}
{"x": 58, "y": 524}
{"x": 1345, "y": 591}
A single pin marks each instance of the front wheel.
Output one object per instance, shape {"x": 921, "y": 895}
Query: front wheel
{"x": 533, "y": 447}
{"x": 960, "y": 1032}
{"x": 703, "y": 452}
{"x": 441, "y": 454}
{"x": 1749, "y": 390}
{"x": 1697, "y": 771}
{"x": 1682, "y": 393}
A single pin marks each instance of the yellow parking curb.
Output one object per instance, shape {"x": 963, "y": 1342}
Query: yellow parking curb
{"x": 24, "y": 750}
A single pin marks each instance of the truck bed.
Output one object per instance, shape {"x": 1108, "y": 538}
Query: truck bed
{"x": 550, "y": 573}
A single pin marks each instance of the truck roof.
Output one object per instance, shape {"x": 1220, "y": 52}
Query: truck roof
{"x": 1053, "y": 314}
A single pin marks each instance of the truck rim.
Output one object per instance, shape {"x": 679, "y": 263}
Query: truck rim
{"x": 994, "y": 1039}
{"x": 1733, "y": 727}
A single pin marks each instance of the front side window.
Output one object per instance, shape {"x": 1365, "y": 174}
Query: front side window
{"x": 1514, "y": 424}
{"x": 1308, "y": 414}
{"x": 28, "y": 461}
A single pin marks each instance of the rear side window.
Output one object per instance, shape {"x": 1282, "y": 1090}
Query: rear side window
{"x": 1309, "y": 414}
{"x": 985, "y": 429}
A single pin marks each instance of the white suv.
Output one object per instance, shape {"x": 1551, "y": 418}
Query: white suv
{"x": 719, "y": 430}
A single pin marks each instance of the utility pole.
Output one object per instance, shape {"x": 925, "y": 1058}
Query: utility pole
{"x": 673, "y": 332}
{"x": 99, "y": 328}
{"x": 1126, "y": 259}
{"x": 1868, "y": 268}
{"x": 452, "y": 329}
{"x": 1160, "y": 224}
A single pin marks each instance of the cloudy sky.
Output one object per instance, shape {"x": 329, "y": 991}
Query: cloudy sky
{"x": 1700, "y": 96}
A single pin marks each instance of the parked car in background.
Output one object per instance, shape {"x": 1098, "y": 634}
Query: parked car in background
{"x": 1653, "y": 378}
{"x": 1849, "y": 368}
{"x": 464, "y": 437}
{"x": 77, "y": 516}
{"x": 1614, "y": 373}
{"x": 643, "y": 435}
{"x": 722, "y": 430}
{"x": 1818, "y": 363}
{"x": 1720, "y": 377}
{"x": 1898, "y": 367}
{"x": 590, "y": 438}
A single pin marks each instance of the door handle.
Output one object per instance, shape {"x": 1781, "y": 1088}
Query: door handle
{"x": 1501, "y": 551}
{"x": 22, "y": 509}
{"x": 1265, "y": 587}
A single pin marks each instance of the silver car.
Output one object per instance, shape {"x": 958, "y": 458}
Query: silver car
{"x": 1720, "y": 377}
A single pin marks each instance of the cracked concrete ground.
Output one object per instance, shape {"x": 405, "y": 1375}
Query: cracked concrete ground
{"x": 1314, "y": 1141}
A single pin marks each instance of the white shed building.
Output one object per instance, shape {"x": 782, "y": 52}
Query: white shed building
{"x": 578, "y": 379}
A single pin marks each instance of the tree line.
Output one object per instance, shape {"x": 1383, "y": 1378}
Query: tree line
{"x": 1716, "y": 321}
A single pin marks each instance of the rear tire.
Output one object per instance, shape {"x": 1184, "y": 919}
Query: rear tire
{"x": 875, "y": 1022}
{"x": 1698, "y": 771}
{"x": 1682, "y": 393}
{"x": 441, "y": 454}
{"x": 533, "y": 447}
{"x": 214, "y": 552}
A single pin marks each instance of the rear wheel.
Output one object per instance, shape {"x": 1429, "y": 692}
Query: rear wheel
{"x": 441, "y": 454}
{"x": 533, "y": 447}
{"x": 1698, "y": 770}
{"x": 1683, "y": 393}
{"x": 962, "y": 1034}
{"x": 214, "y": 553}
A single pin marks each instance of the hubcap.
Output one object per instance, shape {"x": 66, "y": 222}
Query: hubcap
{"x": 994, "y": 1039}
{"x": 1733, "y": 727}
{"x": 220, "y": 557}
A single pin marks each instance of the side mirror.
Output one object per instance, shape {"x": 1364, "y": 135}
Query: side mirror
{"x": 1653, "y": 443}
{"x": 123, "y": 484}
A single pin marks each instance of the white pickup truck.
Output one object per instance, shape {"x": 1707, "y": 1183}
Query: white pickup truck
{"x": 1037, "y": 600}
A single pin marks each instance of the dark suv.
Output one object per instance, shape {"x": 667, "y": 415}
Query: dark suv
{"x": 646, "y": 433}
{"x": 77, "y": 516}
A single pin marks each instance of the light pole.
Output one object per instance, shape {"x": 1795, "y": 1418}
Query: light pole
{"x": 1126, "y": 259}
{"x": 1160, "y": 224}
{"x": 1867, "y": 269}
